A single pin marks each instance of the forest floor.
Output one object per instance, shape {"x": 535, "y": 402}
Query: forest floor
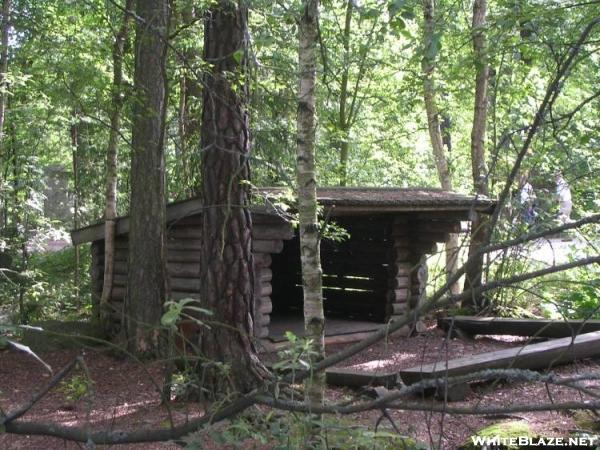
{"x": 125, "y": 397}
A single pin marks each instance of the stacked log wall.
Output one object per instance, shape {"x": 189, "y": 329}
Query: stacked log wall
{"x": 413, "y": 240}
{"x": 268, "y": 234}
{"x": 372, "y": 276}
{"x": 183, "y": 264}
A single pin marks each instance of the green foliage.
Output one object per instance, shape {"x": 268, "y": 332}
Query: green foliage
{"x": 60, "y": 71}
{"x": 75, "y": 388}
{"x": 283, "y": 431}
{"x": 183, "y": 309}
{"x": 49, "y": 289}
{"x": 296, "y": 355}
{"x": 578, "y": 292}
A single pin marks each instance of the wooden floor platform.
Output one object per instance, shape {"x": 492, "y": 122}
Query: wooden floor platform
{"x": 535, "y": 356}
{"x": 519, "y": 327}
{"x": 333, "y": 327}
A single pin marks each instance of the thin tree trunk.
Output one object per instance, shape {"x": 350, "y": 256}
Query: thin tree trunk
{"x": 6, "y": 9}
{"x": 75, "y": 144}
{"x": 428, "y": 66}
{"x": 479, "y": 226}
{"x": 110, "y": 211}
{"x": 227, "y": 268}
{"x": 343, "y": 115}
{"x": 181, "y": 149}
{"x": 190, "y": 93}
{"x": 4, "y": 32}
{"x": 146, "y": 280}
{"x": 314, "y": 319}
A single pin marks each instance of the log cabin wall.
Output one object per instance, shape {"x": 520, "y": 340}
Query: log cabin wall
{"x": 268, "y": 235}
{"x": 183, "y": 264}
{"x": 415, "y": 237}
{"x": 376, "y": 275}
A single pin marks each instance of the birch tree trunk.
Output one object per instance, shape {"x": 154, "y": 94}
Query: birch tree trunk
{"x": 227, "y": 269}
{"x": 428, "y": 66}
{"x": 110, "y": 211}
{"x": 314, "y": 319}
{"x": 146, "y": 277}
{"x": 480, "y": 224}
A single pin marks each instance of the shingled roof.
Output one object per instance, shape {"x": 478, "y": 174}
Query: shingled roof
{"x": 393, "y": 198}
{"x": 339, "y": 200}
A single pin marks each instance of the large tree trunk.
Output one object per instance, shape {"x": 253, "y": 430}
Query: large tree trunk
{"x": 147, "y": 275}
{"x": 480, "y": 225}
{"x": 110, "y": 211}
{"x": 314, "y": 319}
{"x": 428, "y": 66}
{"x": 227, "y": 263}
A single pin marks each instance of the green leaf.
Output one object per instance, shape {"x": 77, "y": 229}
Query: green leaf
{"x": 238, "y": 55}
{"x": 394, "y": 6}
{"x": 170, "y": 318}
{"x": 208, "y": 312}
{"x": 291, "y": 336}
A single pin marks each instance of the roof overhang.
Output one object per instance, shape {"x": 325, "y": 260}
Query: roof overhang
{"x": 430, "y": 204}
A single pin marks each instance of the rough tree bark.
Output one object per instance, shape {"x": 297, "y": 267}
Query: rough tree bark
{"x": 314, "y": 319}
{"x": 428, "y": 65}
{"x": 110, "y": 211}
{"x": 147, "y": 274}
{"x": 227, "y": 264}
{"x": 480, "y": 224}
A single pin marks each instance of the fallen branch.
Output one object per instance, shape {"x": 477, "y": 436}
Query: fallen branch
{"x": 390, "y": 400}
{"x": 80, "y": 434}
{"x": 13, "y": 415}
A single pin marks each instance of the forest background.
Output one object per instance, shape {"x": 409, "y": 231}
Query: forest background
{"x": 374, "y": 61}
{"x": 372, "y": 124}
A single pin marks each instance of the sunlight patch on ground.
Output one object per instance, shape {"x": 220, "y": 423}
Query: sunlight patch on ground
{"x": 126, "y": 409}
{"x": 504, "y": 338}
{"x": 382, "y": 363}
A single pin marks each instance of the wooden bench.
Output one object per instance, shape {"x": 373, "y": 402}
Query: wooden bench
{"x": 338, "y": 376}
{"x": 534, "y": 356}
{"x": 519, "y": 327}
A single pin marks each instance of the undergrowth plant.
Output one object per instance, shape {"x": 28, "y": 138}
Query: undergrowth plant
{"x": 260, "y": 427}
{"x": 46, "y": 288}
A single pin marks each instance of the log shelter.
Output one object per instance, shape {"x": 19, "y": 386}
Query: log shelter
{"x": 375, "y": 275}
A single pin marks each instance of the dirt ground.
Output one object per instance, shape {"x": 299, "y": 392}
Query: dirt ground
{"x": 125, "y": 394}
